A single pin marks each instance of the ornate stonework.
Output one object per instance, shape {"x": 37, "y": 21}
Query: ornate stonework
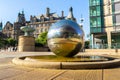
{"x": 40, "y": 23}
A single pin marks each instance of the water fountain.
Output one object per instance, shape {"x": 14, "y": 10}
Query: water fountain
{"x": 65, "y": 40}
{"x": 26, "y": 42}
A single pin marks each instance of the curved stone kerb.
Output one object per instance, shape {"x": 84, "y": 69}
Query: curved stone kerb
{"x": 66, "y": 65}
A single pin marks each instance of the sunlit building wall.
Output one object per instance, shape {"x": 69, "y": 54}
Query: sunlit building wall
{"x": 104, "y": 23}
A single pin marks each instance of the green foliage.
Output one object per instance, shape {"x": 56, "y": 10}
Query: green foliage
{"x": 11, "y": 41}
{"x": 87, "y": 43}
{"x": 7, "y": 42}
{"x": 1, "y": 42}
{"x": 42, "y": 39}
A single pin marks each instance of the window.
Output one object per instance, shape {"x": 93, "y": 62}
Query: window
{"x": 116, "y": 0}
{"x": 35, "y": 26}
{"x": 31, "y": 25}
{"x": 40, "y": 25}
{"x": 117, "y": 7}
{"x": 98, "y": 10}
{"x": 49, "y": 24}
{"x": 98, "y": 21}
{"x": 117, "y": 17}
{"x": 95, "y": 11}
{"x": 98, "y": 2}
{"x": 8, "y": 34}
{"x": 44, "y": 24}
{"x": 45, "y": 29}
{"x": 94, "y": 2}
{"x": 95, "y": 22}
{"x": 41, "y": 29}
{"x": 8, "y": 28}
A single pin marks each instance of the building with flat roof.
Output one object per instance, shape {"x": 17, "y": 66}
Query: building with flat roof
{"x": 104, "y": 23}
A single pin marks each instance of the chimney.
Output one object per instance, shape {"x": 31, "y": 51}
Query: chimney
{"x": 62, "y": 15}
{"x": 31, "y": 18}
{"x": 47, "y": 11}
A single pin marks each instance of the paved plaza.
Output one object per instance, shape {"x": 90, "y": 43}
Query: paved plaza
{"x": 10, "y": 71}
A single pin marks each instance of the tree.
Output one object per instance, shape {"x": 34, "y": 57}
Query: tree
{"x": 42, "y": 39}
{"x": 1, "y": 42}
{"x": 11, "y": 42}
{"x": 87, "y": 43}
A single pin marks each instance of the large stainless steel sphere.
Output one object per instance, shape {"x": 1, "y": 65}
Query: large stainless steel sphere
{"x": 65, "y": 38}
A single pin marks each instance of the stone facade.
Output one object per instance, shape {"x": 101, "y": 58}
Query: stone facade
{"x": 41, "y": 23}
{"x": 8, "y": 30}
{"x": 1, "y": 34}
{"x": 13, "y": 30}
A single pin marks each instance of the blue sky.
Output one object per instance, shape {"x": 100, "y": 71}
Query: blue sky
{"x": 9, "y": 9}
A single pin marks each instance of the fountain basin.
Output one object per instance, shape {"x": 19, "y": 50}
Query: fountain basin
{"x": 41, "y": 62}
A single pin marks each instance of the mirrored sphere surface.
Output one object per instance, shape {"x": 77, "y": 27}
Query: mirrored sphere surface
{"x": 65, "y": 38}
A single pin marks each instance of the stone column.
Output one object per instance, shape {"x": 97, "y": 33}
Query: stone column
{"x": 109, "y": 39}
{"x": 26, "y": 43}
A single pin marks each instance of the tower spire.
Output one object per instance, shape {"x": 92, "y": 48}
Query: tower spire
{"x": 1, "y": 25}
{"x": 22, "y": 11}
{"x": 47, "y": 11}
{"x": 21, "y": 17}
{"x": 70, "y": 15}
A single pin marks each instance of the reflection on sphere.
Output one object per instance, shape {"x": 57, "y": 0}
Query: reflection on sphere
{"x": 65, "y": 38}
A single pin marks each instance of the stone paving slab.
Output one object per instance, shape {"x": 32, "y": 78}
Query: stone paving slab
{"x": 5, "y": 60}
{"x": 6, "y": 66}
{"x": 112, "y": 74}
{"x": 6, "y": 63}
{"x": 9, "y": 71}
{"x": 20, "y": 54}
{"x": 81, "y": 75}
{"x": 27, "y": 69}
{"x": 38, "y": 74}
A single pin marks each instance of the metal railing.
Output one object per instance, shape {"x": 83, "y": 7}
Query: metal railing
{"x": 105, "y": 46}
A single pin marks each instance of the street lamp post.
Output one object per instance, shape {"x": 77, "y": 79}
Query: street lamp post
{"x": 81, "y": 22}
{"x": 116, "y": 50}
{"x": 81, "y": 25}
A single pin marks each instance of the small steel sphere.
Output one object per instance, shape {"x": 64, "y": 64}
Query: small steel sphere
{"x": 65, "y": 38}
